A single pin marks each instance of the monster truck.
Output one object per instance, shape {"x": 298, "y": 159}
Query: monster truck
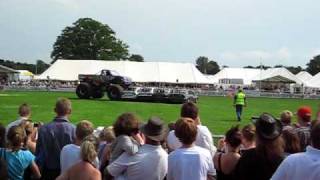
{"x": 94, "y": 85}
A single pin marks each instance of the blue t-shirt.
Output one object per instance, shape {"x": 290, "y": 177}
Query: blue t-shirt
{"x": 17, "y": 162}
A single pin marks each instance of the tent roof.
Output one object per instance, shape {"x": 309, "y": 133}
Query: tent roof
{"x": 247, "y": 74}
{"x": 304, "y": 76}
{"x": 68, "y": 70}
{"x": 277, "y": 75}
{"x": 7, "y": 69}
{"x": 314, "y": 81}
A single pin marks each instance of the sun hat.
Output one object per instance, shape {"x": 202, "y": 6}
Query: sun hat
{"x": 268, "y": 127}
{"x": 154, "y": 129}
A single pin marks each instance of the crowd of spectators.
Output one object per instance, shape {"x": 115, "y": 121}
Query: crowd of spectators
{"x": 269, "y": 148}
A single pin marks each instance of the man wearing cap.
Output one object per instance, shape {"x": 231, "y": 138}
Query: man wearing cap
{"x": 303, "y": 127}
{"x": 305, "y": 165}
{"x": 150, "y": 162}
{"x": 239, "y": 102}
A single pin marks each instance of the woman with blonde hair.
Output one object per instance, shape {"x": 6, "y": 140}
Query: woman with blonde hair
{"x": 85, "y": 169}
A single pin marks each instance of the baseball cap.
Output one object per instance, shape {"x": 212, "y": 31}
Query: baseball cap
{"x": 304, "y": 112}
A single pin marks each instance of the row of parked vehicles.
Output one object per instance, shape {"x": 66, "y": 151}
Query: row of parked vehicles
{"x": 120, "y": 87}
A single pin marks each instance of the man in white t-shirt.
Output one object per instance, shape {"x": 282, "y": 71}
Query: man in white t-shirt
{"x": 150, "y": 162}
{"x": 24, "y": 114}
{"x": 304, "y": 165}
{"x": 189, "y": 161}
{"x": 70, "y": 154}
{"x": 204, "y": 137}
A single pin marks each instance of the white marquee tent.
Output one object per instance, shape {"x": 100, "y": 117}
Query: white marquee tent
{"x": 165, "y": 72}
{"x": 304, "y": 76}
{"x": 277, "y": 75}
{"x": 314, "y": 82}
{"x": 235, "y": 76}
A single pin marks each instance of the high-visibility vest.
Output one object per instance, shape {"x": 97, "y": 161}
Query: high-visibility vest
{"x": 240, "y": 98}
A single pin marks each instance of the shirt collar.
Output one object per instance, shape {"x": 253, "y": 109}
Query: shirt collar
{"x": 61, "y": 119}
{"x": 313, "y": 151}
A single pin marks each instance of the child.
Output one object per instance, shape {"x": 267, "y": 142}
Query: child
{"x": 126, "y": 130}
{"x": 18, "y": 160}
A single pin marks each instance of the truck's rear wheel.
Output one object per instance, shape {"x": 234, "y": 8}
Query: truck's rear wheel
{"x": 83, "y": 91}
{"x": 115, "y": 92}
{"x": 97, "y": 94}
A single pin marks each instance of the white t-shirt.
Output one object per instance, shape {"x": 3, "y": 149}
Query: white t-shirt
{"x": 204, "y": 140}
{"x": 150, "y": 162}
{"x": 70, "y": 155}
{"x": 190, "y": 163}
{"x": 305, "y": 165}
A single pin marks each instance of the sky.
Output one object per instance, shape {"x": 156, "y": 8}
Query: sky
{"x": 234, "y": 33}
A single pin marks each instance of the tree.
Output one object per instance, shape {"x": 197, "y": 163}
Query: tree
{"x": 294, "y": 70}
{"x": 249, "y": 67}
{"x": 41, "y": 66}
{"x": 136, "y": 57}
{"x": 206, "y": 66}
{"x": 313, "y": 67}
{"x": 89, "y": 39}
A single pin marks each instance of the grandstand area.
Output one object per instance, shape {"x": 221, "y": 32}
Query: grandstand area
{"x": 216, "y": 112}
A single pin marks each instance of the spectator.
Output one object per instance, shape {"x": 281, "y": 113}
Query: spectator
{"x": 84, "y": 170}
{"x": 248, "y": 138}
{"x": 18, "y": 160}
{"x": 303, "y": 127}
{"x": 53, "y": 137}
{"x": 24, "y": 114}
{"x": 70, "y": 154}
{"x": 150, "y": 162}
{"x": 3, "y": 164}
{"x": 204, "y": 137}
{"x": 106, "y": 139}
{"x": 261, "y": 162}
{"x": 227, "y": 161}
{"x": 305, "y": 165}
{"x": 189, "y": 161}
{"x": 126, "y": 130}
{"x": 291, "y": 142}
{"x": 31, "y": 131}
{"x": 285, "y": 119}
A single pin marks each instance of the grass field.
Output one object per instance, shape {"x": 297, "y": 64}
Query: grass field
{"x": 216, "y": 112}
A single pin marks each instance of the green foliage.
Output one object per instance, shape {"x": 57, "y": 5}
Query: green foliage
{"x": 206, "y": 66}
{"x": 37, "y": 68}
{"x": 294, "y": 70}
{"x": 89, "y": 39}
{"x": 136, "y": 57}
{"x": 313, "y": 67}
{"x": 215, "y": 112}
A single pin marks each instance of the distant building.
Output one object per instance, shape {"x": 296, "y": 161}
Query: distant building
{"x": 7, "y": 74}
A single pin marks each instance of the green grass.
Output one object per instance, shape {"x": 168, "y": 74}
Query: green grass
{"x": 216, "y": 112}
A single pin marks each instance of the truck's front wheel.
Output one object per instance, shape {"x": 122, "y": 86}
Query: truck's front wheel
{"x": 115, "y": 92}
{"x": 83, "y": 91}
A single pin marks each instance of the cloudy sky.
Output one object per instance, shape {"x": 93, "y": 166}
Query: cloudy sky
{"x": 232, "y": 32}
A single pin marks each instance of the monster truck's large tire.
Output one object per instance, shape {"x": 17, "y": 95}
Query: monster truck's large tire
{"x": 115, "y": 92}
{"x": 83, "y": 91}
{"x": 97, "y": 94}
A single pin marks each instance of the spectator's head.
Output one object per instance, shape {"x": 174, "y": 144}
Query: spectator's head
{"x": 233, "y": 137}
{"x": 24, "y": 110}
{"x": 16, "y": 137}
{"x": 107, "y": 134}
{"x": 291, "y": 141}
{"x": 248, "y": 135}
{"x": 315, "y": 135}
{"x": 2, "y": 136}
{"x": 126, "y": 124}
{"x": 286, "y": 117}
{"x": 154, "y": 130}
{"x": 186, "y": 130}
{"x": 84, "y": 128}
{"x": 304, "y": 114}
{"x": 63, "y": 107}
{"x": 171, "y": 126}
{"x": 268, "y": 140}
{"x": 89, "y": 148}
{"x": 189, "y": 110}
